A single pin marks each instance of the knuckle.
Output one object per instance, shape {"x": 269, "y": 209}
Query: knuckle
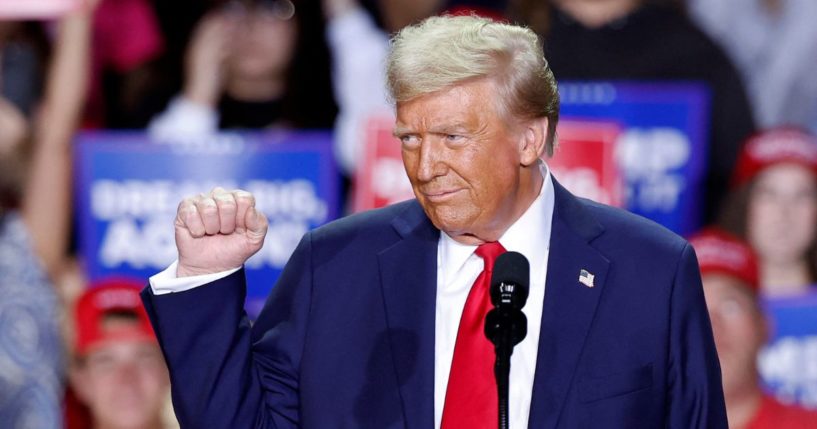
{"x": 186, "y": 203}
{"x": 189, "y": 214}
{"x": 207, "y": 205}
{"x": 209, "y": 215}
{"x": 217, "y": 192}
{"x": 244, "y": 196}
{"x": 225, "y": 202}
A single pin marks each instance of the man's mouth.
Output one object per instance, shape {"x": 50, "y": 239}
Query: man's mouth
{"x": 440, "y": 195}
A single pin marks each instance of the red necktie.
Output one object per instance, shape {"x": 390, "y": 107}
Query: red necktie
{"x": 471, "y": 398}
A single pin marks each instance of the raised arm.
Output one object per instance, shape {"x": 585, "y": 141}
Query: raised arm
{"x": 359, "y": 50}
{"x": 219, "y": 378}
{"x": 46, "y": 204}
{"x": 194, "y": 113}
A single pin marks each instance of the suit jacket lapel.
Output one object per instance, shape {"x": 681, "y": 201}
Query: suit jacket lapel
{"x": 569, "y": 305}
{"x": 408, "y": 272}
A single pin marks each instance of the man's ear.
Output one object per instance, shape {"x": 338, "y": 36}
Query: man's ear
{"x": 532, "y": 144}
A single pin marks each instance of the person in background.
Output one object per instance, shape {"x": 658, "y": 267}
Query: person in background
{"x": 730, "y": 280}
{"x": 126, "y": 45}
{"x": 118, "y": 371}
{"x": 35, "y": 202}
{"x": 24, "y": 51}
{"x": 647, "y": 40}
{"x": 359, "y": 49}
{"x": 773, "y": 43}
{"x": 252, "y": 64}
{"x": 773, "y": 206}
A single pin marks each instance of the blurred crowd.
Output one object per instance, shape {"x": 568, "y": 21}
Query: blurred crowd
{"x": 81, "y": 356}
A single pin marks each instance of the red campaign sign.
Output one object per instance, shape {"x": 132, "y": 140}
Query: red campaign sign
{"x": 584, "y": 161}
{"x": 29, "y": 9}
{"x": 381, "y": 179}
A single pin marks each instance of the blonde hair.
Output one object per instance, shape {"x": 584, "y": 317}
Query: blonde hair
{"x": 444, "y": 51}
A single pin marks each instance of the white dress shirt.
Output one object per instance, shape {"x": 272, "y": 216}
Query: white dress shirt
{"x": 457, "y": 269}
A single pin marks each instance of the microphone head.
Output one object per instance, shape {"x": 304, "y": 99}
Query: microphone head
{"x": 515, "y": 322}
{"x": 510, "y": 281}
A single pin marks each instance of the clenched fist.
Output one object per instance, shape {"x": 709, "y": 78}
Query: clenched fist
{"x": 218, "y": 231}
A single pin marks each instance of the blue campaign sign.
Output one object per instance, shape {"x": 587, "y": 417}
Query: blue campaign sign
{"x": 128, "y": 189}
{"x": 662, "y": 150}
{"x": 788, "y": 364}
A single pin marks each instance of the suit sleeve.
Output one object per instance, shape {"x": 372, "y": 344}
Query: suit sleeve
{"x": 694, "y": 379}
{"x": 225, "y": 374}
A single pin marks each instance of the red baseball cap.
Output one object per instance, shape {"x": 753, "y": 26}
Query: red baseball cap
{"x": 491, "y": 9}
{"x": 112, "y": 296}
{"x": 775, "y": 146}
{"x": 723, "y": 253}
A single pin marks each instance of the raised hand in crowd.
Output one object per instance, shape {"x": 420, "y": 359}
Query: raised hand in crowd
{"x": 207, "y": 56}
{"x": 46, "y": 201}
{"x": 35, "y": 211}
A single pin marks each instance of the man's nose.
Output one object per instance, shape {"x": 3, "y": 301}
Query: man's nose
{"x": 430, "y": 163}
{"x": 127, "y": 372}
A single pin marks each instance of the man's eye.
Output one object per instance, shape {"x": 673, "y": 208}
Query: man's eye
{"x": 454, "y": 137}
{"x": 101, "y": 363}
{"x": 409, "y": 140}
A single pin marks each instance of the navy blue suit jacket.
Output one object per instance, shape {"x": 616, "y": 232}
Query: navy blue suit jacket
{"x": 346, "y": 339}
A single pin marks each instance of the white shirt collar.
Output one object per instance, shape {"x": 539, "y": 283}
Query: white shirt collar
{"x": 529, "y": 235}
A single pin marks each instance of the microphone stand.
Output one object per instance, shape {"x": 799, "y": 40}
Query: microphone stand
{"x": 506, "y": 324}
{"x": 502, "y": 371}
{"x": 505, "y": 327}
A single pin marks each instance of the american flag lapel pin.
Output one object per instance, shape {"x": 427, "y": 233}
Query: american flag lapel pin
{"x": 586, "y": 278}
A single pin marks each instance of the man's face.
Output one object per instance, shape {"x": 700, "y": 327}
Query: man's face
{"x": 465, "y": 161}
{"x": 782, "y": 213}
{"x": 124, "y": 383}
{"x": 264, "y": 45}
{"x": 738, "y": 327}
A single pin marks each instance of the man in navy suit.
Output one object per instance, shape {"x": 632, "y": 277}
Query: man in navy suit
{"x": 376, "y": 321}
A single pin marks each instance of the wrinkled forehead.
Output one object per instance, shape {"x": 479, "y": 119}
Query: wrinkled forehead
{"x": 787, "y": 174}
{"x": 121, "y": 349}
{"x": 462, "y": 104}
{"x": 720, "y": 286}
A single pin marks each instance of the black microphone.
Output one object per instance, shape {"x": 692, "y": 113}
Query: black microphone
{"x": 506, "y": 325}
{"x": 510, "y": 281}
{"x": 510, "y": 285}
